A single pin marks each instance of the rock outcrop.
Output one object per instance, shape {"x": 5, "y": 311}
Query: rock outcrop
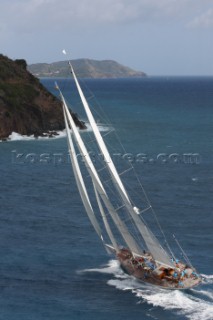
{"x": 26, "y": 106}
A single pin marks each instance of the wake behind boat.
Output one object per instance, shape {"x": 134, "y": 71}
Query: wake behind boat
{"x": 117, "y": 216}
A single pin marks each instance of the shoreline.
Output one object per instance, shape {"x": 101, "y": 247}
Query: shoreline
{"x": 14, "y": 136}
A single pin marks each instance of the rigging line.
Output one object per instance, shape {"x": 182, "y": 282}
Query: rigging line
{"x": 120, "y": 207}
{"x": 99, "y": 170}
{"x": 137, "y": 236}
{"x": 184, "y": 254}
{"x": 90, "y": 97}
{"x": 113, "y": 190}
{"x": 103, "y": 135}
{"x": 146, "y": 197}
{"x": 126, "y": 210}
{"x": 149, "y": 203}
{"x": 120, "y": 174}
{"x": 106, "y": 182}
{"x": 130, "y": 188}
{"x": 108, "y": 132}
{"x": 162, "y": 232}
{"x": 98, "y": 105}
{"x": 95, "y": 99}
{"x": 93, "y": 141}
{"x": 101, "y": 110}
{"x": 125, "y": 171}
{"x": 144, "y": 210}
{"x": 129, "y": 163}
{"x": 103, "y": 115}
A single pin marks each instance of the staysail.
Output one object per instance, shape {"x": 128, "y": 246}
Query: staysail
{"x": 151, "y": 241}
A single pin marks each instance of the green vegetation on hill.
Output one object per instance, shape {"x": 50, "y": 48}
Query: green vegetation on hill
{"x": 85, "y": 68}
{"x": 26, "y": 107}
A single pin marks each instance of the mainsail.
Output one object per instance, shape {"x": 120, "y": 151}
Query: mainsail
{"x": 151, "y": 241}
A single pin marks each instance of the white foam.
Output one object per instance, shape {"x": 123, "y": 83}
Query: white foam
{"x": 191, "y": 304}
{"x": 185, "y": 304}
{"x": 60, "y": 134}
{"x": 101, "y": 127}
{"x": 17, "y": 137}
{"x": 111, "y": 268}
{"x": 208, "y": 279}
{"x": 208, "y": 294}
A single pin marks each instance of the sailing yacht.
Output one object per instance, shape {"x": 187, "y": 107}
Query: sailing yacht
{"x": 119, "y": 223}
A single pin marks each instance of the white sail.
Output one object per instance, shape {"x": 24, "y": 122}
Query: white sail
{"x": 101, "y": 144}
{"x": 151, "y": 241}
{"x": 80, "y": 181}
{"x": 95, "y": 178}
{"x": 106, "y": 224}
{"x": 157, "y": 251}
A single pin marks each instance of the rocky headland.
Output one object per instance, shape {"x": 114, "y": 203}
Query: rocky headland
{"x": 26, "y": 106}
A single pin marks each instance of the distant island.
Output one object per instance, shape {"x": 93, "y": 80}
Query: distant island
{"x": 26, "y": 106}
{"x": 85, "y": 68}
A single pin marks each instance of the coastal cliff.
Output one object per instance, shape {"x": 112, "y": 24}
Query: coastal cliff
{"x": 26, "y": 107}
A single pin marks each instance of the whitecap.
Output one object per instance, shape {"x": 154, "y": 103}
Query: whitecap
{"x": 208, "y": 279}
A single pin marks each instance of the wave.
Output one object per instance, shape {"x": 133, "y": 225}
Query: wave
{"x": 19, "y": 137}
{"x": 190, "y": 303}
{"x": 101, "y": 127}
{"x": 207, "y": 279}
{"x": 59, "y": 134}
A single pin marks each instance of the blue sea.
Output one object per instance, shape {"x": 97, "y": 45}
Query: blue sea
{"x": 52, "y": 264}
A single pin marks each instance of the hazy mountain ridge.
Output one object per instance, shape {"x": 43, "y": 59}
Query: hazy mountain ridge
{"x": 84, "y": 68}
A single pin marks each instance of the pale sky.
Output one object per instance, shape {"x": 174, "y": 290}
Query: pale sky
{"x": 159, "y": 37}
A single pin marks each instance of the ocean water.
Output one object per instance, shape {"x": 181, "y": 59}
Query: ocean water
{"x": 52, "y": 264}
